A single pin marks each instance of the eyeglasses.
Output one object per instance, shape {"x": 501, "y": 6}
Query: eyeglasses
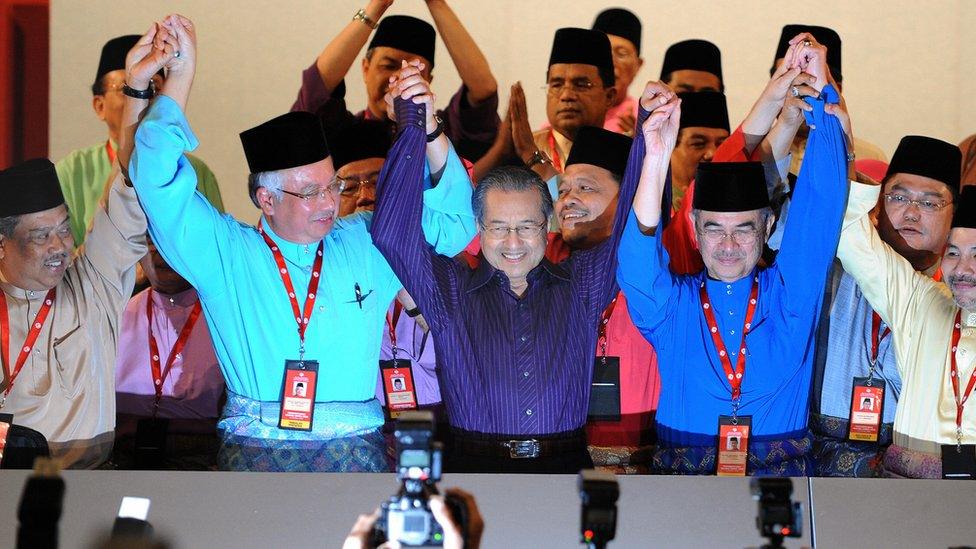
{"x": 524, "y": 232}
{"x": 351, "y": 185}
{"x": 334, "y": 188}
{"x": 743, "y": 237}
{"x": 902, "y": 201}
{"x": 579, "y": 85}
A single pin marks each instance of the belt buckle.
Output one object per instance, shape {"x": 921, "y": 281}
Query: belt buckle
{"x": 523, "y": 449}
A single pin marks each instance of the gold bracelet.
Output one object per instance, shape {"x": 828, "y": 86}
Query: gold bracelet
{"x": 361, "y": 16}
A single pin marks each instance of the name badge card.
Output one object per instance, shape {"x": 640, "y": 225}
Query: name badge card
{"x": 298, "y": 395}
{"x": 867, "y": 403}
{"x": 959, "y": 461}
{"x": 398, "y": 386}
{"x": 733, "y": 446}
{"x": 605, "y": 390}
{"x": 6, "y": 420}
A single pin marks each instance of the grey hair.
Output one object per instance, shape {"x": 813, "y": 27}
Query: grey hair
{"x": 272, "y": 181}
{"x": 8, "y": 225}
{"x": 510, "y": 178}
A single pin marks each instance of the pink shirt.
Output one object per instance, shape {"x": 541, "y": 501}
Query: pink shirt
{"x": 627, "y": 106}
{"x": 194, "y": 385}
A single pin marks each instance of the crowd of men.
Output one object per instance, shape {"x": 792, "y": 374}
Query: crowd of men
{"x": 640, "y": 285}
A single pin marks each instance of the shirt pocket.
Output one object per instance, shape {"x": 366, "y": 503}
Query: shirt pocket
{"x": 73, "y": 353}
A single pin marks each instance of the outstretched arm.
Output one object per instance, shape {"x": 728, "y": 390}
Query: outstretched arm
{"x": 470, "y": 62}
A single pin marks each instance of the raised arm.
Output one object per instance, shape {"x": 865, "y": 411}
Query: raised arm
{"x": 818, "y": 202}
{"x": 642, "y": 268}
{"x": 339, "y": 54}
{"x": 470, "y": 62}
{"x": 185, "y": 227}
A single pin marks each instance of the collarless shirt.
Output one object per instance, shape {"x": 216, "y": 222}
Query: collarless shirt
{"x": 194, "y": 385}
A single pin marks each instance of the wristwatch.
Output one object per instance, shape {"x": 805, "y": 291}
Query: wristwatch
{"x": 538, "y": 157}
{"x": 413, "y": 313}
{"x": 438, "y": 130}
{"x": 147, "y": 93}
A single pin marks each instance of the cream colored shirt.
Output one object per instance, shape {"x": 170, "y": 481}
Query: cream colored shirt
{"x": 66, "y": 389}
{"x": 920, "y": 312}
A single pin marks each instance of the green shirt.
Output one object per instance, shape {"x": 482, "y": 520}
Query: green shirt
{"x": 83, "y": 174}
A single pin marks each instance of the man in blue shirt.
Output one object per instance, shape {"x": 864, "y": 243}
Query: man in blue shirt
{"x": 735, "y": 342}
{"x": 252, "y": 280}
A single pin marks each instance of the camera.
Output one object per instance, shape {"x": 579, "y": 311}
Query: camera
{"x": 598, "y": 516}
{"x": 779, "y": 517}
{"x": 406, "y": 516}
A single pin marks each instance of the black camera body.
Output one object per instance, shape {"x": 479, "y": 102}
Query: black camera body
{"x": 599, "y": 492}
{"x": 406, "y": 516}
{"x": 779, "y": 516}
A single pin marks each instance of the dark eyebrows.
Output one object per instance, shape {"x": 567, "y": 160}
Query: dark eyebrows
{"x": 899, "y": 187}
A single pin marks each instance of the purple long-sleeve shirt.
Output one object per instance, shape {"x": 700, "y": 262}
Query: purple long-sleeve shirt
{"x": 508, "y": 365}
{"x": 471, "y": 128}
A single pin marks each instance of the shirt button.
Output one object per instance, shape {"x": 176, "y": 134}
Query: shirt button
{"x": 525, "y": 374}
{"x": 731, "y": 313}
{"x": 522, "y": 339}
{"x": 731, "y": 332}
{"x": 528, "y": 412}
{"x": 321, "y": 308}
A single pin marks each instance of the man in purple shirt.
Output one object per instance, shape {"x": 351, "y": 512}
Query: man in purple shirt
{"x": 470, "y": 119}
{"x": 515, "y": 336}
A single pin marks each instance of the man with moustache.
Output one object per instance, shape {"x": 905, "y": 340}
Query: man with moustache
{"x": 620, "y": 429}
{"x": 516, "y": 334}
{"x": 932, "y": 332}
{"x": 59, "y": 314}
{"x": 734, "y": 341}
{"x": 853, "y": 341}
{"x": 299, "y": 289}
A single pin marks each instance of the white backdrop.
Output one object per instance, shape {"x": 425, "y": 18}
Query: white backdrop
{"x": 908, "y": 65}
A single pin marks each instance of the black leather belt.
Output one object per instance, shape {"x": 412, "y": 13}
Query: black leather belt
{"x": 519, "y": 448}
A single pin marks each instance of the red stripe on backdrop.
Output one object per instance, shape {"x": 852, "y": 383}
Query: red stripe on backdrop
{"x": 24, "y": 79}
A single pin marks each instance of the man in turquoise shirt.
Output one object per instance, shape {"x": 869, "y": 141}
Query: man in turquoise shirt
{"x": 701, "y": 325}
{"x": 241, "y": 285}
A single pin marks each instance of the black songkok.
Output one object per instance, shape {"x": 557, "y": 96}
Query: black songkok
{"x": 113, "y": 55}
{"x": 965, "y": 216}
{"x": 30, "y": 187}
{"x": 288, "y": 141}
{"x": 928, "y": 157}
{"x": 827, "y": 37}
{"x": 584, "y": 47}
{"x": 730, "y": 187}
{"x": 361, "y": 140}
{"x": 406, "y": 33}
{"x": 622, "y": 23}
{"x": 602, "y": 148}
{"x": 704, "y": 109}
{"x": 694, "y": 55}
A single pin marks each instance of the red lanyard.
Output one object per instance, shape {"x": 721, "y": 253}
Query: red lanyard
{"x": 602, "y": 330}
{"x": 556, "y": 163}
{"x": 876, "y": 338}
{"x": 954, "y": 376}
{"x": 159, "y": 374}
{"x": 734, "y": 377}
{"x": 110, "y": 151}
{"x": 301, "y": 317}
{"x": 391, "y": 324}
{"x": 35, "y": 330}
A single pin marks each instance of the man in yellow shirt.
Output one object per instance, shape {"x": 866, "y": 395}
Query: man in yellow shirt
{"x": 933, "y": 327}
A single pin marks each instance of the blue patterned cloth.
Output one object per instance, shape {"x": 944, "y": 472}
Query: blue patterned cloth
{"x": 345, "y": 437}
{"x": 785, "y": 457}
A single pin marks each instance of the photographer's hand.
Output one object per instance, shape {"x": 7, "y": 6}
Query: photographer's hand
{"x": 359, "y": 536}
{"x": 453, "y": 536}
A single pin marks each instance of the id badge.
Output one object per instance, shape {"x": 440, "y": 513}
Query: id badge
{"x": 298, "y": 395}
{"x": 398, "y": 386}
{"x": 959, "y": 462}
{"x": 867, "y": 405}
{"x": 605, "y": 390}
{"x": 733, "y": 446}
{"x": 151, "y": 442}
{"x": 6, "y": 420}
